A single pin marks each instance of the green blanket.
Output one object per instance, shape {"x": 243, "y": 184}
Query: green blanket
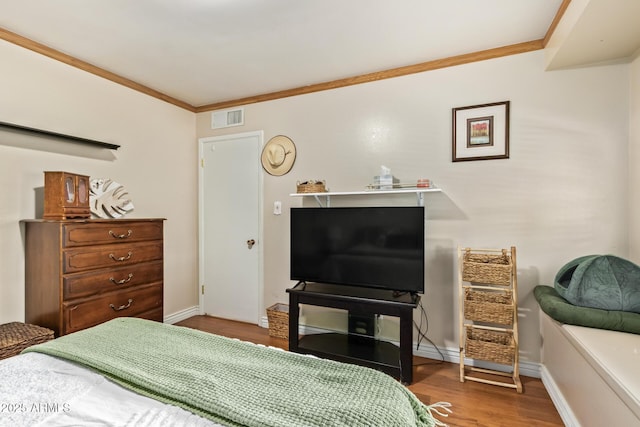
{"x": 563, "y": 311}
{"x": 236, "y": 383}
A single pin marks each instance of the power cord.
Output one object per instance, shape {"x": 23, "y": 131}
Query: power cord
{"x": 423, "y": 335}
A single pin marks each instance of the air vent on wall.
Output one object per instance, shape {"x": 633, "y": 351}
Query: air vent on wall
{"x": 227, "y": 118}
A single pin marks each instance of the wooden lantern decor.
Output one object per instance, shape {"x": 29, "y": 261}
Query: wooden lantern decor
{"x": 66, "y": 195}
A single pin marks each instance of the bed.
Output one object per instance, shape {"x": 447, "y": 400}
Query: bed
{"x": 135, "y": 372}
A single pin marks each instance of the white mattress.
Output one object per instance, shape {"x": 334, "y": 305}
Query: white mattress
{"x": 616, "y": 358}
{"x": 40, "y": 390}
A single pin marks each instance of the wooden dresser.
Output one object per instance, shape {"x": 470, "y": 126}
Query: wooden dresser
{"x": 79, "y": 273}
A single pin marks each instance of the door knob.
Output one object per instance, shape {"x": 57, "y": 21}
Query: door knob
{"x": 250, "y": 243}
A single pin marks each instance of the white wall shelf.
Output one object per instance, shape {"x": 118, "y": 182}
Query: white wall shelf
{"x": 419, "y": 192}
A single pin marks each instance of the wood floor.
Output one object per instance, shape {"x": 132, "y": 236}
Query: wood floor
{"x": 473, "y": 404}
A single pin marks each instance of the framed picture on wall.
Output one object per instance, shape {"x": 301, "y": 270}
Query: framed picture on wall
{"x": 481, "y": 132}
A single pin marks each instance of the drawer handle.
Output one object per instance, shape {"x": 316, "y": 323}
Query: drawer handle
{"x": 122, "y": 258}
{"x": 123, "y": 281}
{"x": 122, "y": 307}
{"x": 120, "y": 236}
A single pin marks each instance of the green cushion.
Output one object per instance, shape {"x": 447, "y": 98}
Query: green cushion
{"x": 600, "y": 281}
{"x": 563, "y": 311}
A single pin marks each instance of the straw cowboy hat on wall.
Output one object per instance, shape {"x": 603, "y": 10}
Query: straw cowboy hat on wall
{"x": 278, "y": 155}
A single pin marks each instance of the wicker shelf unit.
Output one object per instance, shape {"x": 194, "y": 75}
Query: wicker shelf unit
{"x": 489, "y": 315}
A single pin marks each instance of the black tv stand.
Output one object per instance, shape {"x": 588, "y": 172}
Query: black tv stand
{"x": 357, "y": 349}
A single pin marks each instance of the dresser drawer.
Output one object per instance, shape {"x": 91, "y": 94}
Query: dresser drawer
{"x": 111, "y": 279}
{"x": 130, "y": 303}
{"x": 82, "y": 234}
{"x": 95, "y": 257}
{"x": 76, "y": 269}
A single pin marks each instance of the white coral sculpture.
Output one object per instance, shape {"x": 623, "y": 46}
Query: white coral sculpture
{"x": 108, "y": 199}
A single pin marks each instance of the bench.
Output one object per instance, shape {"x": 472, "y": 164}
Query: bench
{"x": 592, "y": 375}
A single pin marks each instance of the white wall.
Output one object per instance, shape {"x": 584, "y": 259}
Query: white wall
{"x": 562, "y": 194}
{"x": 156, "y": 162}
{"x": 634, "y": 160}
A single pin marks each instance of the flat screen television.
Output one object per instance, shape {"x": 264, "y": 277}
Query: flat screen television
{"x": 377, "y": 247}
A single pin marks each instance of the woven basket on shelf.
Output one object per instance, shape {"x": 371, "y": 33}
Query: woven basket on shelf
{"x": 486, "y": 268}
{"x": 16, "y": 336}
{"x": 490, "y": 345}
{"x": 311, "y": 187}
{"x": 489, "y": 306}
{"x": 278, "y": 317}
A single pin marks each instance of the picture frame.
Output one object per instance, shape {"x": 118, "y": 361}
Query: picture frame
{"x": 480, "y": 132}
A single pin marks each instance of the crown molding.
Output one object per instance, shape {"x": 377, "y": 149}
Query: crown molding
{"x": 556, "y": 20}
{"x": 452, "y": 61}
{"x": 90, "y": 68}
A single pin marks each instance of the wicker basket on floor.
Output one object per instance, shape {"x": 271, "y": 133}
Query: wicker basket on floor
{"x": 16, "y": 336}
{"x": 486, "y": 268}
{"x": 491, "y": 345}
{"x": 489, "y": 306}
{"x": 278, "y": 317}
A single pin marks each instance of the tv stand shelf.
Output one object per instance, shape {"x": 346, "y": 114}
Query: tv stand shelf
{"x": 358, "y": 349}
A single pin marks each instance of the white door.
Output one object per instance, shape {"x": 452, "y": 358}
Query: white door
{"x": 230, "y": 231}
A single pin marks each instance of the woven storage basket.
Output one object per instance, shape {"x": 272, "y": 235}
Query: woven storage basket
{"x": 311, "y": 187}
{"x": 492, "y": 269}
{"x": 278, "y": 317}
{"x": 490, "y": 345}
{"x": 16, "y": 336}
{"x": 489, "y": 306}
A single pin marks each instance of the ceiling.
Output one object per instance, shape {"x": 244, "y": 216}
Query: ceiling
{"x": 596, "y": 31}
{"x": 203, "y": 52}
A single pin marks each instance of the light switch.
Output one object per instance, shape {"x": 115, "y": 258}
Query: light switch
{"x": 277, "y": 207}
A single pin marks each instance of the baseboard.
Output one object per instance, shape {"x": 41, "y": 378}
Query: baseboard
{"x": 563, "y": 408}
{"x": 182, "y": 315}
{"x": 264, "y": 322}
{"x": 426, "y": 350}
{"x": 452, "y": 355}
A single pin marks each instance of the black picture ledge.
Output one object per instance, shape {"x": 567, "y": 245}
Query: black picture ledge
{"x": 69, "y": 138}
